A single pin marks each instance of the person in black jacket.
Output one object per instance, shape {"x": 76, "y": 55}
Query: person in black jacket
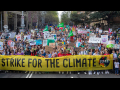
{"x": 27, "y": 52}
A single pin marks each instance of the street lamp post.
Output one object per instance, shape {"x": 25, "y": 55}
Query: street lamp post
{"x": 1, "y": 21}
{"x": 22, "y": 21}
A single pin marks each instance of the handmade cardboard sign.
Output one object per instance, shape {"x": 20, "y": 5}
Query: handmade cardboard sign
{"x": 71, "y": 44}
{"x": 58, "y": 32}
{"x": 60, "y": 43}
{"x": 77, "y": 49}
{"x": 48, "y": 48}
{"x": 52, "y": 45}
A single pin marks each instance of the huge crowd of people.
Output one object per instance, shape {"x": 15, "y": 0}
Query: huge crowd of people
{"x": 22, "y": 47}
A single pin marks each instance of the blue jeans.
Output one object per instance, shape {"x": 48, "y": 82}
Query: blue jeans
{"x": 116, "y": 70}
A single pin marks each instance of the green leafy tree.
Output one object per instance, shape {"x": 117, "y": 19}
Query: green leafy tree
{"x": 65, "y": 17}
{"x": 104, "y": 15}
{"x": 51, "y": 17}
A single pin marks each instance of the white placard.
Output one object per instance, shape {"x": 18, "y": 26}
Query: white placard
{"x": 77, "y": 44}
{"x": 100, "y": 31}
{"x": 94, "y": 40}
{"x": 1, "y": 45}
{"x": 12, "y": 34}
{"x": 18, "y": 37}
{"x": 74, "y": 33}
{"x": 12, "y": 44}
{"x": 44, "y": 42}
{"x": 104, "y": 39}
{"x": 46, "y": 34}
{"x": 111, "y": 42}
{"x": 32, "y": 42}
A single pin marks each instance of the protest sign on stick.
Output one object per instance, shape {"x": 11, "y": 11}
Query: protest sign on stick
{"x": 104, "y": 39}
{"x": 1, "y": 45}
{"x": 44, "y": 42}
{"x": 48, "y": 48}
{"x": 52, "y": 45}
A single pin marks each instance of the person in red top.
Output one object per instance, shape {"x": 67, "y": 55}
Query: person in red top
{"x": 60, "y": 54}
{"x": 68, "y": 53}
{"x": 64, "y": 53}
{"x": 33, "y": 53}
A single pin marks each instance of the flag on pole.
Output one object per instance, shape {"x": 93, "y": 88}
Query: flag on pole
{"x": 70, "y": 34}
{"x": 61, "y": 25}
{"x": 46, "y": 29}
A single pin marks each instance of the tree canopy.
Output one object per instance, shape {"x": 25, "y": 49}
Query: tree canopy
{"x": 51, "y": 17}
{"x": 65, "y": 17}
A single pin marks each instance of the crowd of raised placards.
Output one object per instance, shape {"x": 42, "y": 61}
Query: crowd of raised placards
{"x": 58, "y": 42}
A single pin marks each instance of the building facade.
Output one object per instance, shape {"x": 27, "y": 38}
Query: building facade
{"x": 12, "y": 19}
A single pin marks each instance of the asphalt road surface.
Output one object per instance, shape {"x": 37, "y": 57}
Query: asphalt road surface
{"x": 54, "y": 75}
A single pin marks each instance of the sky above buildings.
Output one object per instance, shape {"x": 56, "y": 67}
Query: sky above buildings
{"x": 59, "y": 15}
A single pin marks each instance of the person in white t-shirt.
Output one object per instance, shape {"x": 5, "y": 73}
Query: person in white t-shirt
{"x": 96, "y": 53}
{"x": 116, "y": 64}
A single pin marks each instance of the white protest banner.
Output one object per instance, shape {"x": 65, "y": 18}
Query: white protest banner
{"x": 55, "y": 36}
{"x": 100, "y": 30}
{"x": 46, "y": 34}
{"x": 18, "y": 37}
{"x": 1, "y": 45}
{"x": 44, "y": 42}
{"x": 111, "y": 42}
{"x": 77, "y": 44}
{"x": 32, "y": 31}
{"x": 11, "y": 35}
{"x": 88, "y": 30}
{"x": 74, "y": 33}
{"x": 50, "y": 36}
{"x": 116, "y": 46}
{"x": 33, "y": 42}
{"x": 94, "y": 40}
{"x": 104, "y": 39}
{"x": 12, "y": 44}
{"x": 82, "y": 32}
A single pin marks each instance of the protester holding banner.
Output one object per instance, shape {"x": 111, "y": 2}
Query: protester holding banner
{"x": 40, "y": 50}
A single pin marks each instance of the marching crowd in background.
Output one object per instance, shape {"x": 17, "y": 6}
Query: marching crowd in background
{"x": 22, "y": 47}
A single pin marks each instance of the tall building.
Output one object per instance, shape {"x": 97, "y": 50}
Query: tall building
{"x": 12, "y": 19}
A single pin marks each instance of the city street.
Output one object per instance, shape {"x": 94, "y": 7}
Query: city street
{"x": 31, "y": 75}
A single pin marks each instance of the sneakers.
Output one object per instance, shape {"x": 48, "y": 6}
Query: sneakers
{"x": 39, "y": 72}
{"x": 102, "y": 72}
{"x": 85, "y": 73}
{"x": 78, "y": 72}
{"x": 98, "y": 73}
{"x": 106, "y": 72}
{"x": 94, "y": 72}
{"x": 90, "y": 73}
{"x": 62, "y": 72}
